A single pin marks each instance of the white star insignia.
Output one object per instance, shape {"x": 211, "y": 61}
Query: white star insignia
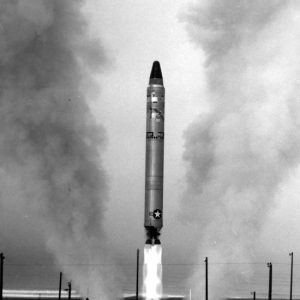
{"x": 157, "y": 214}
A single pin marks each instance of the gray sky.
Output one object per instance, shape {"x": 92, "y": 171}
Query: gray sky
{"x": 133, "y": 34}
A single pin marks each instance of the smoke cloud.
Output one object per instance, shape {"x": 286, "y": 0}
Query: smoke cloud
{"x": 245, "y": 148}
{"x": 50, "y": 144}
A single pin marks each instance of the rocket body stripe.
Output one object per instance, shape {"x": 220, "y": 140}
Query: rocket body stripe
{"x": 154, "y": 169}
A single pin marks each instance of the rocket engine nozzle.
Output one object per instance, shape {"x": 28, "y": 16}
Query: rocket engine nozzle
{"x": 152, "y": 236}
{"x": 154, "y": 241}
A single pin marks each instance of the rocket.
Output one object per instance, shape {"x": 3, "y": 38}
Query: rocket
{"x": 154, "y": 169}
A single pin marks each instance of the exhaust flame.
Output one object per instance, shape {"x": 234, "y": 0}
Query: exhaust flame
{"x": 152, "y": 287}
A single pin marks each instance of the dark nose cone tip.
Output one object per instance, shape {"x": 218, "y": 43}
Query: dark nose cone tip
{"x": 156, "y": 75}
{"x": 156, "y": 71}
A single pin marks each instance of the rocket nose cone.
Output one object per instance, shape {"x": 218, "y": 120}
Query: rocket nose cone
{"x": 156, "y": 75}
{"x": 156, "y": 70}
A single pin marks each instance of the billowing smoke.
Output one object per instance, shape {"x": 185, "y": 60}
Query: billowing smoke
{"x": 240, "y": 153}
{"x": 50, "y": 144}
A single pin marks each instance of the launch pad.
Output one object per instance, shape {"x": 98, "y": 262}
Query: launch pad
{"x": 167, "y": 297}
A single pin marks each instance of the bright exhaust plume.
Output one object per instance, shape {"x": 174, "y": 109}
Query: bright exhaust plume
{"x": 152, "y": 287}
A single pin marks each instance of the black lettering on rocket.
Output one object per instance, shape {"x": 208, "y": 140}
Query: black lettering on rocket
{"x": 150, "y": 135}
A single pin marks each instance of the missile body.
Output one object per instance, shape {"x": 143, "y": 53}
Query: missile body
{"x": 154, "y": 155}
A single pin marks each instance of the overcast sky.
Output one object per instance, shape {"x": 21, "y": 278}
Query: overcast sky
{"x": 230, "y": 74}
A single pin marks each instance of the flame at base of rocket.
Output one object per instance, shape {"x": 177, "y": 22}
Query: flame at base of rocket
{"x": 152, "y": 287}
{"x": 155, "y": 119}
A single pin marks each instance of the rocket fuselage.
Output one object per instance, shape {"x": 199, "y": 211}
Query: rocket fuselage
{"x": 155, "y": 117}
